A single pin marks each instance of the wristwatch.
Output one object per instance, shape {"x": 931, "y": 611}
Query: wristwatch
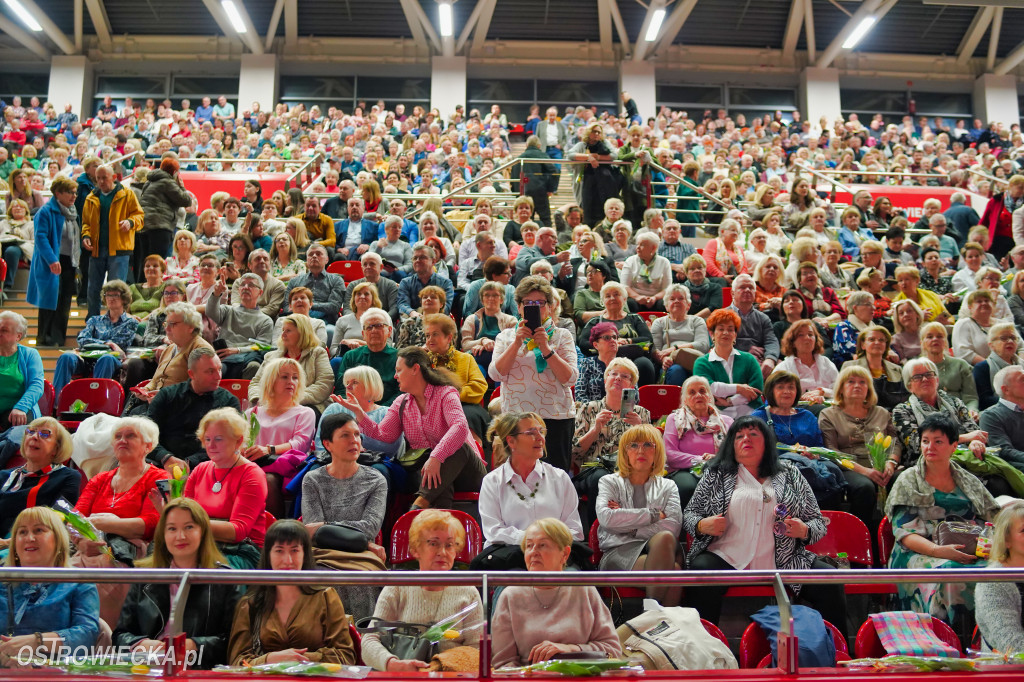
{"x": 545, "y": 357}
{"x": 271, "y": 450}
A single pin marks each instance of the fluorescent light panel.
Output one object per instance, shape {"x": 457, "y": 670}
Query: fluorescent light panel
{"x": 858, "y": 33}
{"x": 233, "y": 16}
{"x": 23, "y": 14}
{"x": 656, "y": 20}
{"x": 444, "y": 11}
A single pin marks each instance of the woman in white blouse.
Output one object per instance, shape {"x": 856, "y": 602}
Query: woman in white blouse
{"x": 523, "y": 489}
{"x": 804, "y": 352}
{"x": 970, "y": 333}
{"x": 537, "y": 369}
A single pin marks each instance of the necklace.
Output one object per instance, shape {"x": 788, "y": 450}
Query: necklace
{"x": 116, "y": 497}
{"x": 217, "y": 487}
{"x": 542, "y": 604}
{"x": 536, "y": 487}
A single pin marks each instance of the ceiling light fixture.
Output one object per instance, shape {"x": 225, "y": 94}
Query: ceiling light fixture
{"x": 23, "y": 14}
{"x": 858, "y": 33}
{"x": 444, "y": 11}
{"x": 233, "y": 15}
{"x": 656, "y": 20}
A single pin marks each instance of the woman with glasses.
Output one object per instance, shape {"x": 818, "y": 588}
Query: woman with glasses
{"x": 435, "y": 539}
{"x": 970, "y": 334}
{"x": 988, "y": 279}
{"x": 1005, "y": 345}
{"x": 521, "y": 490}
{"x": 753, "y": 511}
{"x": 154, "y": 337}
{"x": 639, "y": 513}
{"x": 631, "y": 330}
{"x": 284, "y": 258}
{"x": 42, "y": 479}
{"x": 604, "y": 338}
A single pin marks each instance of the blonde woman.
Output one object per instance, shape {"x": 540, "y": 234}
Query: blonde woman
{"x": 299, "y": 343}
{"x": 348, "y": 331}
{"x": 907, "y": 318}
{"x": 209, "y": 235}
{"x": 16, "y": 238}
{"x": 296, "y": 227}
{"x": 997, "y": 605}
{"x": 284, "y": 257}
{"x": 184, "y": 264}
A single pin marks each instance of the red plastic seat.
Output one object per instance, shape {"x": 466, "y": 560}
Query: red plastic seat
{"x": 847, "y": 533}
{"x": 660, "y": 399}
{"x": 99, "y": 395}
{"x": 357, "y": 643}
{"x": 714, "y": 631}
{"x": 46, "y": 400}
{"x": 238, "y": 388}
{"x": 649, "y": 316}
{"x": 868, "y": 645}
{"x": 350, "y": 270}
{"x": 726, "y": 297}
{"x": 756, "y": 652}
{"x": 400, "y": 537}
{"x": 886, "y": 539}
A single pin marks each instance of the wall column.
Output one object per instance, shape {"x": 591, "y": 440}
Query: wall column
{"x": 637, "y": 78}
{"x": 819, "y": 94}
{"x": 448, "y": 85}
{"x": 71, "y": 80}
{"x": 257, "y": 82}
{"x": 995, "y": 99}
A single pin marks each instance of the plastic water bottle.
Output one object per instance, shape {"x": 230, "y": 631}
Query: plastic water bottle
{"x": 843, "y": 560}
{"x": 984, "y": 547}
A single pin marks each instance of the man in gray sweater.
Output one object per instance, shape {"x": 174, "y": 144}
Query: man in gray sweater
{"x": 1004, "y": 421}
{"x": 240, "y": 325}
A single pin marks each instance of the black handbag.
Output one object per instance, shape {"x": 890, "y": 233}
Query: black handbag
{"x": 404, "y": 640}
{"x": 340, "y": 537}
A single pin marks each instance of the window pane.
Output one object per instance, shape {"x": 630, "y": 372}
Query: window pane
{"x": 704, "y": 95}
{"x": 873, "y": 100}
{"x": 190, "y": 86}
{"x": 318, "y": 87}
{"x": 25, "y": 85}
{"x": 133, "y": 86}
{"x": 945, "y": 103}
{"x": 371, "y": 89}
{"x": 578, "y": 92}
{"x": 499, "y": 90}
{"x": 762, "y": 97}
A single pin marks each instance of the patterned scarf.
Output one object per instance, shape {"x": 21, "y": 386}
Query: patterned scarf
{"x": 445, "y": 359}
{"x": 725, "y": 262}
{"x": 922, "y": 409}
{"x": 531, "y": 345}
{"x": 688, "y": 421}
{"x": 1012, "y": 204}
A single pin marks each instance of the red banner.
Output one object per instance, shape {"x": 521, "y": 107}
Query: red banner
{"x": 204, "y": 183}
{"x": 911, "y": 199}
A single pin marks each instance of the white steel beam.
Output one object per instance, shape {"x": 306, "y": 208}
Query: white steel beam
{"x": 993, "y": 38}
{"x": 975, "y": 32}
{"x": 641, "y": 41}
{"x": 275, "y": 21}
{"x": 291, "y": 23}
{"x": 467, "y": 30}
{"x": 1010, "y": 61}
{"x": 418, "y": 35}
{"x": 23, "y": 37}
{"x": 49, "y": 28}
{"x": 79, "y": 11}
{"x": 483, "y": 24}
{"x": 100, "y": 23}
{"x": 604, "y": 22}
{"x": 620, "y": 25}
{"x": 674, "y": 23}
{"x": 793, "y": 26}
{"x": 868, "y": 8}
{"x": 812, "y": 47}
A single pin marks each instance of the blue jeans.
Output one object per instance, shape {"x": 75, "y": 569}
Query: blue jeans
{"x": 676, "y": 375}
{"x": 111, "y": 267}
{"x": 553, "y": 152}
{"x": 69, "y": 364}
{"x": 12, "y": 254}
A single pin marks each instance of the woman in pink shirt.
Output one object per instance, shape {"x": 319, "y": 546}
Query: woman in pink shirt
{"x": 430, "y": 414}
{"x": 232, "y": 489}
{"x": 693, "y": 434}
{"x": 286, "y": 428}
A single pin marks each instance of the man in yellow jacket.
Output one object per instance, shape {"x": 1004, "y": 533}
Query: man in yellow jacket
{"x": 110, "y": 218}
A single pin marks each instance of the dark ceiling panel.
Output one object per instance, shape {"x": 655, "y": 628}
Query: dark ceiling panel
{"x": 828, "y": 21}
{"x": 574, "y": 20}
{"x": 352, "y": 19}
{"x": 912, "y": 27}
{"x": 60, "y": 13}
{"x": 736, "y": 23}
{"x": 182, "y": 17}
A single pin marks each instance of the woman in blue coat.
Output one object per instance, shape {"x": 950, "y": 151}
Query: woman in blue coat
{"x": 51, "y": 284}
{"x": 21, "y": 373}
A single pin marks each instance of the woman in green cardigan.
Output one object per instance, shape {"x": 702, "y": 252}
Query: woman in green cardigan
{"x": 735, "y": 376}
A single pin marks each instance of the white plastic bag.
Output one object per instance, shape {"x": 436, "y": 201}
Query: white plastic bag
{"x": 93, "y": 450}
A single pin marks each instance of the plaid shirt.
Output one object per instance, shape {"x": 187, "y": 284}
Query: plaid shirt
{"x": 676, "y": 253}
{"x": 99, "y": 329}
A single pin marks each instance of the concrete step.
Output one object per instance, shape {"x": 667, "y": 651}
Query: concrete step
{"x": 76, "y": 322}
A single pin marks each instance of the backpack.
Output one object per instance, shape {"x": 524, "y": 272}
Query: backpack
{"x": 673, "y": 638}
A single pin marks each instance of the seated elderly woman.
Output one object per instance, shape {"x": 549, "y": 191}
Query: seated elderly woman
{"x": 57, "y": 615}
{"x": 520, "y": 490}
{"x": 435, "y": 539}
{"x": 432, "y": 302}
{"x": 908, "y": 281}
{"x": 676, "y": 331}
{"x": 348, "y": 331}
{"x": 632, "y": 331}
{"x": 534, "y": 624}
{"x": 988, "y": 279}
{"x": 231, "y": 488}
{"x": 284, "y": 258}
{"x": 639, "y": 513}
{"x": 300, "y": 302}
{"x": 803, "y": 349}
{"x": 735, "y": 376}
{"x": 431, "y": 416}
{"x": 792, "y": 425}
{"x": 604, "y": 338}
{"x": 182, "y": 540}
{"x": 154, "y": 336}
{"x": 970, "y": 333}
{"x": 693, "y": 434}
{"x": 770, "y": 283}
{"x": 298, "y": 342}
{"x": 860, "y": 305}
{"x": 999, "y": 603}
{"x": 148, "y": 296}
{"x": 822, "y": 301}
{"x": 439, "y": 331}
{"x": 344, "y": 492}
{"x": 118, "y": 504}
{"x": 831, "y": 273}
{"x": 600, "y": 424}
{"x": 872, "y": 280}
{"x": 758, "y": 245}
{"x": 114, "y": 330}
{"x": 42, "y": 479}
{"x": 873, "y": 354}
{"x": 617, "y": 242}
{"x": 955, "y": 376}
{"x": 724, "y": 254}
{"x": 315, "y": 627}
{"x": 907, "y": 318}
{"x": 21, "y": 373}
{"x": 923, "y": 495}
{"x": 705, "y": 294}
{"x": 1005, "y": 343}
{"x": 753, "y": 511}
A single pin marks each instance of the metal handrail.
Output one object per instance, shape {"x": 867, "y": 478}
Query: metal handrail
{"x": 695, "y": 187}
{"x": 835, "y": 171}
{"x": 122, "y": 158}
{"x": 990, "y": 178}
{"x": 818, "y": 174}
{"x": 296, "y": 176}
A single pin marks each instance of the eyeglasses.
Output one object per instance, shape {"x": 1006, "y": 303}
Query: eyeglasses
{"x": 646, "y": 445}
{"x": 437, "y": 546}
{"x": 781, "y": 514}
{"x": 42, "y": 433}
{"x": 618, "y": 375}
{"x": 374, "y": 327}
{"x": 923, "y": 375}
{"x": 533, "y": 433}
{"x": 608, "y": 337}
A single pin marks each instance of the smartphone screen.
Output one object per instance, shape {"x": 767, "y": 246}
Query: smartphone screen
{"x": 531, "y": 315}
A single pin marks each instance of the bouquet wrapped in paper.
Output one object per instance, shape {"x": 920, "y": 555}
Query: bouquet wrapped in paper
{"x": 840, "y": 458}
{"x": 78, "y": 523}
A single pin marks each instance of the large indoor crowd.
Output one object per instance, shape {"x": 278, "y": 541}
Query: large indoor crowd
{"x": 421, "y": 328}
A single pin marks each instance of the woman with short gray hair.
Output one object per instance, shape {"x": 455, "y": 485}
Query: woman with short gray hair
{"x": 676, "y": 331}
{"x": 21, "y": 373}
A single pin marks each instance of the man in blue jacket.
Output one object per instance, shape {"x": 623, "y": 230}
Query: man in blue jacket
{"x": 354, "y": 235}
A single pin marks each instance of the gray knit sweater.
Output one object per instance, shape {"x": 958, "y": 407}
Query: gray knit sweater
{"x": 238, "y": 324}
{"x": 359, "y": 501}
{"x": 997, "y": 609}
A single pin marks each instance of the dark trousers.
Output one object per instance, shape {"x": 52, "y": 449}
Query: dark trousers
{"x": 53, "y": 324}
{"x": 137, "y": 370}
{"x": 686, "y": 482}
{"x": 559, "y": 443}
{"x": 828, "y": 600}
{"x": 587, "y": 483}
{"x": 542, "y": 207}
{"x": 462, "y": 471}
{"x": 83, "y": 278}
{"x": 1001, "y": 246}
{"x": 153, "y": 242}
